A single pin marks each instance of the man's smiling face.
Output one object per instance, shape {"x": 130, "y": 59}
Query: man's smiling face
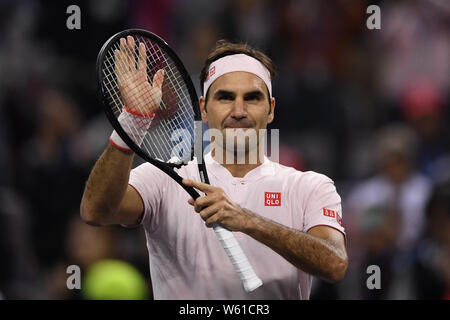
{"x": 237, "y": 100}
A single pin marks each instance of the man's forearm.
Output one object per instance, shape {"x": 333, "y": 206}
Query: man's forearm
{"x": 311, "y": 254}
{"x": 106, "y": 185}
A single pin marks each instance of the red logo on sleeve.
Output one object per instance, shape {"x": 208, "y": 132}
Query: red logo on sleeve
{"x": 333, "y": 214}
{"x": 339, "y": 219}
{"x": 272, "y": 199}
{"x": 329, "y": 213}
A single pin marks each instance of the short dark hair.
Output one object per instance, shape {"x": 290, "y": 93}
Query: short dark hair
{"x": 225, "y": 48}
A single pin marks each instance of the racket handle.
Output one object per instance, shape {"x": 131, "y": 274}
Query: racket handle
{"x": 248, "y": 276}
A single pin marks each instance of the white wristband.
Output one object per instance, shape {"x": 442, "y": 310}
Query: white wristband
{"x": 135, "y": 125}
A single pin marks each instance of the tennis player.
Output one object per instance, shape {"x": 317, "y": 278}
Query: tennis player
{"x": 288, "y": 222}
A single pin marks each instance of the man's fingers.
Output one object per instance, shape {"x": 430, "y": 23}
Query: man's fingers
{"x": 142, "y": 60}
{"x": 122, "y": 65}
{"x": 198, "y": 185}
{"x": 211, "y": 221}
{"x": 130, "y": 53}
{"x": 117, "y": 67}
{"x": 203, "y": 202}
{"x": 208, "y": 211}
{"x": 158, "y": 79}
{"x": 123, "y": 44}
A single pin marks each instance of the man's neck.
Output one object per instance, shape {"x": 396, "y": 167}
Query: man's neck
{"x": 238, "y": 167}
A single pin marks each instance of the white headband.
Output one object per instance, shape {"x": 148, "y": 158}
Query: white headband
{"x": 237, "y": 62}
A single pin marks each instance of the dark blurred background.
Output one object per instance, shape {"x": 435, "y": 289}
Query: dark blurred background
{"x": 369, "y": 108}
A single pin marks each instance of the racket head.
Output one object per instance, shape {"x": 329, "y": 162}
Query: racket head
{"x": 181, "y": 107}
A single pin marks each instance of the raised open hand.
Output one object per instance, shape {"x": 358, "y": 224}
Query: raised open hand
{"x": 138, "y": 95}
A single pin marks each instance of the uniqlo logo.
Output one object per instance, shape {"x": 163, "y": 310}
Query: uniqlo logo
{"x": 272, "y": 199}
{"x": 329, "y": 213}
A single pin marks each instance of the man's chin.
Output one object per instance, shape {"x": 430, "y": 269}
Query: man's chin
{"x": 233, "y": 152}
{"x": 241, "y": 147}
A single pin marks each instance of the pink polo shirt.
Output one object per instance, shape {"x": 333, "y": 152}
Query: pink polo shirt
{"x": 186, "y": 258}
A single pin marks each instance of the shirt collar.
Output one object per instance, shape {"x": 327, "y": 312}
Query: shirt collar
{"x": 220, "y": 172}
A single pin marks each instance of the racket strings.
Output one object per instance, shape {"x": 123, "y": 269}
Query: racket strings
{"x": 170, "y": 132}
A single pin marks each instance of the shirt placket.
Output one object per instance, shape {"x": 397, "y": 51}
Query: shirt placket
{"x": 239, "y": 197}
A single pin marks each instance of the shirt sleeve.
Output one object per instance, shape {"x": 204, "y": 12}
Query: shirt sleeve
{"x": 323, "y": 205}
{"x": 149, "y": 182}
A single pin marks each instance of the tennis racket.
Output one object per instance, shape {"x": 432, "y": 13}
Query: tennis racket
{"x": 138, "y": 71}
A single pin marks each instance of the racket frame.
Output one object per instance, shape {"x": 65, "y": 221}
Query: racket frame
{"x": 164, "y": 166}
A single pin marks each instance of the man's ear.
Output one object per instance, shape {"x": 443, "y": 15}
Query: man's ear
{"x": 272, "y": 110}
{"x": 202, "y": 102}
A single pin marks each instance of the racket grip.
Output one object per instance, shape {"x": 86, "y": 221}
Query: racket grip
{"x": 238, "y": 258}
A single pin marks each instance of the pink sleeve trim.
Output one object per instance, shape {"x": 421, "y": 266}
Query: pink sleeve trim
{"x": 143, "y": 204}
{"x": 142, "y": 218}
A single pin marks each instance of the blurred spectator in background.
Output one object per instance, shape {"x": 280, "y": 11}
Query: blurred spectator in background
{"x": 423, "y": 108}
{"x": 152, "y": 15}
{"x": 48, "y": 175}
{"x": 290, "y": 157}
{"x": 85, "y": 246}
{"x": 388, "y": 210}
{"x": 415, "y": 41}
{"x": 432, "y": 266}
{"x": 18, "y": 265}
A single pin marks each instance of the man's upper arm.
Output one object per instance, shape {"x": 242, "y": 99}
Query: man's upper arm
{"x": 331, "y": 235}
{"x": 323, "y": 212}
{"x": 322, "y": 206}
{"x": 143, "y": 197}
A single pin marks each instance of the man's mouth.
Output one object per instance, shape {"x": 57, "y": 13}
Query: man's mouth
{"x": 242, "y": 124}
{"x": 237, "y": 127}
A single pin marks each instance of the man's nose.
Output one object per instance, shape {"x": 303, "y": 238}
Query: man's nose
{"x": 239, "y": 109}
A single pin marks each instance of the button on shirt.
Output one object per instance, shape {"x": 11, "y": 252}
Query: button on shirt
{"x": 186, "y": 258}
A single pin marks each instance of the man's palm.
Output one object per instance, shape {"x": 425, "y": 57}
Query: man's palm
{"x": 137, "y": 94}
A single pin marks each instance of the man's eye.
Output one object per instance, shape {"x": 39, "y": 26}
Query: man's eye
{"x": 226, "y": 98}
{"x": 253, "y": 98}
